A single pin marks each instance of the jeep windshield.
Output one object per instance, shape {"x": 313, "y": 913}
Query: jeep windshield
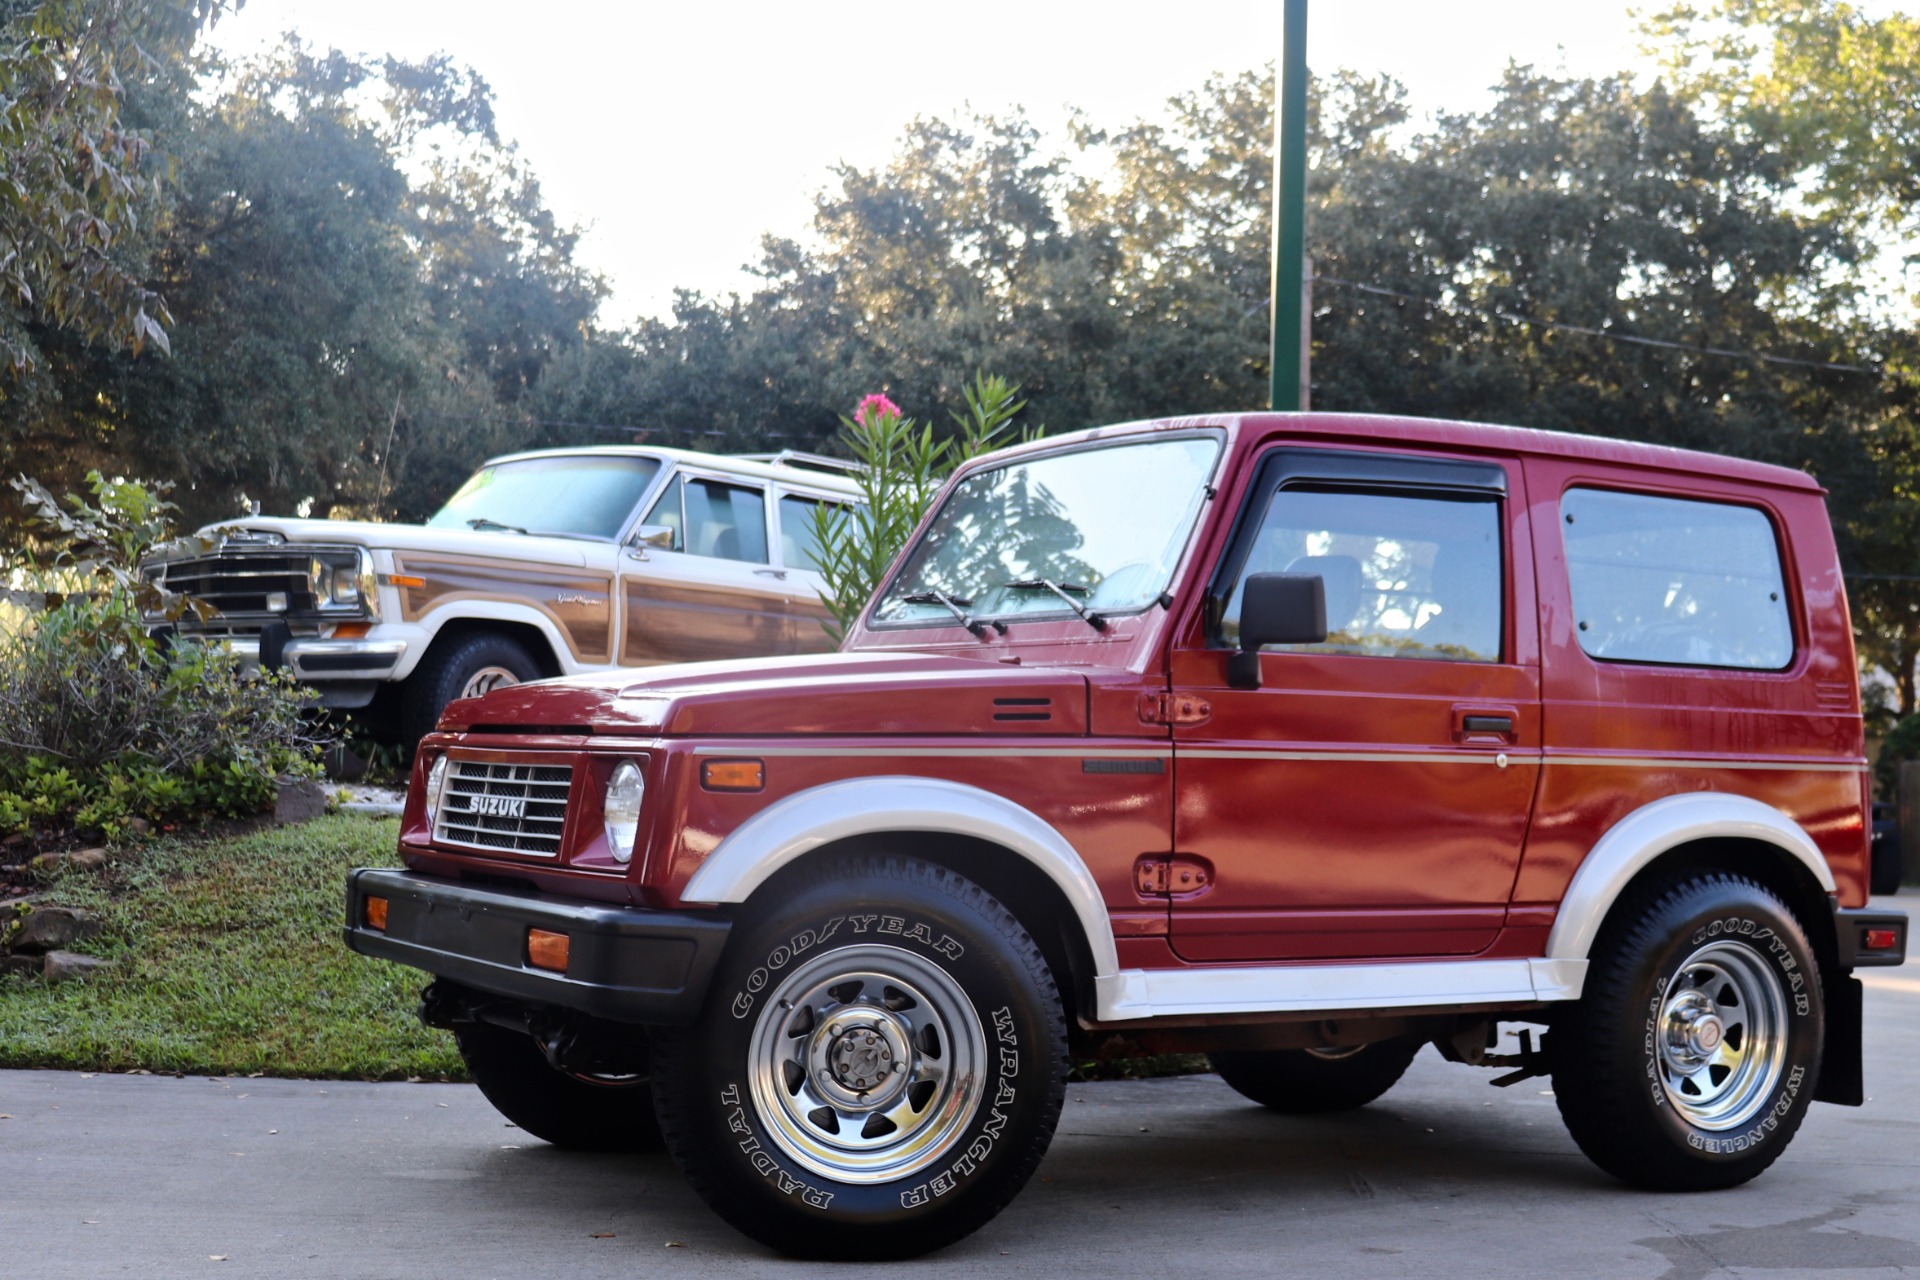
{"x": 580, "y": 496}
{"x": 1100, "y": 527}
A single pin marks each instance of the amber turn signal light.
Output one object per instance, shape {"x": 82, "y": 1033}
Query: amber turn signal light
{"x": 547, "y": 950}
{"x": 733, "y": 775}
{"x": 375, "y": 911}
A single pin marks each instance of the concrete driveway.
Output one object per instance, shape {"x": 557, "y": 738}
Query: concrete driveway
{"x": 157, "y": 1177}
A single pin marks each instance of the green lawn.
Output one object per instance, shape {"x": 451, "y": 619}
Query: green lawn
{"x": 227, "y": 959}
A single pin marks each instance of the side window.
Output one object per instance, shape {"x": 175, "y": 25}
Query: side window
{"x": 710, "y": 518}
{"x": 799, "y": 549}
{"x": 1675, "y": 581}
{"x": 1406, "y": 575}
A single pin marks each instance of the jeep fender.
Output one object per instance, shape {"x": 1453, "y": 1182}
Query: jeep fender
{"x": 822, "y": 815}
{"x": 495, "y": 611}
{"x": 1633, "y": 843}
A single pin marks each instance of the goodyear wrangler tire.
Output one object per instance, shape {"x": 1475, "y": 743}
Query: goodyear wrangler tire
{"x": 579, "y": 1112}
{"x": 879, "y": 1067}
{"x": 1692, "y": 1055}
{"x": 1314, "y": 1081}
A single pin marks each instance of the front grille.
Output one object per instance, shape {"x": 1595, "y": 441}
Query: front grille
{"x": 504, "y": 808}
{"x": 240, "y": 581}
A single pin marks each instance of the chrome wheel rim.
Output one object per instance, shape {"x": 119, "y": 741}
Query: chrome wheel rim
{"x": 486, "y": 680}
{"x": 1334, "y": 1054}
{"x": 1722, "y": 1041}
{"x": 865, "y": 1064}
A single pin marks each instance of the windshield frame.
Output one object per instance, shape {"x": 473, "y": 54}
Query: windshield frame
{"x": 664, "y": 466}
{"x": 1061, "y": 612}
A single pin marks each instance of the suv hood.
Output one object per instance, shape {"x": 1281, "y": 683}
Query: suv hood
{"x": 411, "y": 537}
{"x": 835, "y": 693}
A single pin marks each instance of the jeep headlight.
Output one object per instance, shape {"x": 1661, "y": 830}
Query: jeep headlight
{"x": 625, "y": 790}
{"x": 341, "y": 580}
{"x": 436, "y": 784}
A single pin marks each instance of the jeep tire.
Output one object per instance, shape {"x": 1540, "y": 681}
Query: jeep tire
{"x": 1314, "y": 1081}
{"x": 456, "y": 667}
{"x": 1694, "y": 1051}
{"x": 576, "y": 1111}
{"x": 879, "y": 1067}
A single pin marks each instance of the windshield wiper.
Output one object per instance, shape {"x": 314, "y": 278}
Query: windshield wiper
{"x": 484, "y": 523}
{"x": 1061, "y": 589}
{"x": 953, "y": 606}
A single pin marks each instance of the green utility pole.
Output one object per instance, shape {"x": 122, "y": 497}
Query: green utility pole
{"x": 1288, "y": 389}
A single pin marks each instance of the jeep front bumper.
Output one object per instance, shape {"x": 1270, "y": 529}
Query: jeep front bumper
{"x": 625, "y": 964}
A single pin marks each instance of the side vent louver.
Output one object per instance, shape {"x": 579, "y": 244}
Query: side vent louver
{"x": 1022, "y": 708}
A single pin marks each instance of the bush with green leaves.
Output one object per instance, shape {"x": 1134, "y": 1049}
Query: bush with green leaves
{"x": 99, "y": 724}
{"x": 902, "y": 467}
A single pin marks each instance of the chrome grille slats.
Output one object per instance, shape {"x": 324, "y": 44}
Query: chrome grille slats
{"x": 509, "y": 807}
{"x": 238, "y": 582}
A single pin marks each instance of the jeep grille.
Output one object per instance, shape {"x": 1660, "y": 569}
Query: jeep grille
{"x": 239, "y": 582}
{"x": 504, "y": 808}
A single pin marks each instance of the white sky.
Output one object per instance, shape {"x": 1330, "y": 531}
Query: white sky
{"x": 676, "y": 133}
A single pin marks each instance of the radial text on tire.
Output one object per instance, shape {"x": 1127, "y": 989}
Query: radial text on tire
{"x": 1694, "y": 1051}
{"x": 879, "y": 1067}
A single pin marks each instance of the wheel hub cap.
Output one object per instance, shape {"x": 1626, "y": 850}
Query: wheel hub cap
{"x": 1723, "y": 1027}
{"x": 865, "y": 1063}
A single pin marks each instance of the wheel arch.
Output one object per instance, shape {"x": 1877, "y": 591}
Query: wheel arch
{"x": 1006, "y": 849}
{"x": 1709, "y": 831}
{"x": 532, "y": 632}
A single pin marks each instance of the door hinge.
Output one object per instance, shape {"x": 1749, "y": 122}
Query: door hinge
{"x": 1174, "y": 708}
{"x": 1171, "y": 876}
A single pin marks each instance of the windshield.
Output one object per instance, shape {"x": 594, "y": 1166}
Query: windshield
{"x": 581, "y": 497}
{"x": 1101, "y": 527}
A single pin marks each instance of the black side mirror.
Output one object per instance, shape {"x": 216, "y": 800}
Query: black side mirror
{"x": 1276, "y": 608}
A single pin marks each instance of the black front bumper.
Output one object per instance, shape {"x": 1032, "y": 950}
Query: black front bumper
{"x": 624, "y": 963}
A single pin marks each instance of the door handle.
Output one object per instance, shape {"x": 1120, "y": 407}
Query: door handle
{"x": 1487, "y": 724}
{"x": 772, "y": 573}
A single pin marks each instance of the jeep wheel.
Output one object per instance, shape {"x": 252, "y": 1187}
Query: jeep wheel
{"x": 579, "y": 1112}
{"x": 1310, "y": 1081}
{"x": 464, "y": 667}
{"x": 879, "y": 1068}
{"x": 1692, "y": 1056}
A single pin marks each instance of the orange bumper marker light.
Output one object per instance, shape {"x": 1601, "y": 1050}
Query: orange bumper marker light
{"x": 547, "y": 950}
{"x": 376, "y": 914}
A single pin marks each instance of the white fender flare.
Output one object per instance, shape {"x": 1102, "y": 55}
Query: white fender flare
{"x": 1651, "y": 830}
{"x": 821, "y": 815}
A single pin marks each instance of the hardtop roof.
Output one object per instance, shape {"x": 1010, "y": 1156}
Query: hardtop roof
{"x": 805, "y": 477}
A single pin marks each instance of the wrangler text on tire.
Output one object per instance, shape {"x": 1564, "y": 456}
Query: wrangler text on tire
{"x": 879, "y": 1068}
{"x": 1693, "y": 1053}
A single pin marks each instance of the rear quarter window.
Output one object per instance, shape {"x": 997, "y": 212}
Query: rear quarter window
{"x": 1675, "y": 581}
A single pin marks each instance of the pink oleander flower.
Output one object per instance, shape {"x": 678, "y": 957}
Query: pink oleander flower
{"x": 875, "y": 406}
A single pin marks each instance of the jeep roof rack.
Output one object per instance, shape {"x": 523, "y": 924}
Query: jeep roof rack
{"x": 797, "y": 458}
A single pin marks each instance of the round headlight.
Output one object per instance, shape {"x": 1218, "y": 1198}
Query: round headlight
{"x": 436, "y": 783}
{"x": 625, "y": 790}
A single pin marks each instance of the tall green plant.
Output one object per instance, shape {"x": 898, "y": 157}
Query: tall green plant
{"x": 902, "y": 468}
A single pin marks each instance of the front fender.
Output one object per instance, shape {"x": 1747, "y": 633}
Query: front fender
{"x": 823, "y": 815}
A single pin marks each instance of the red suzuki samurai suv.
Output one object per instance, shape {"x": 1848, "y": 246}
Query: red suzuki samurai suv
{"x": 1300, "y": 740}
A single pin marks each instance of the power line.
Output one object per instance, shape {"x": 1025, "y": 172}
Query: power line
{"x": 1441, "y": 304}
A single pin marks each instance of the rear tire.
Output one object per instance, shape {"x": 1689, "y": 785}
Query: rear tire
{"x": 1316, "y": 1081}
{"x": 879, "y": 1067}
{"x": 1693, "y": 1055}
{"x": 460, "y": 667}
{"x": 578, "y": 1112}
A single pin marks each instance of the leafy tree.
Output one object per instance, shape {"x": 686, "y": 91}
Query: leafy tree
{"x": 74, "y": 178}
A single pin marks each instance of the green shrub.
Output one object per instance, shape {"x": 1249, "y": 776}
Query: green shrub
{"x": 99, "y": 725}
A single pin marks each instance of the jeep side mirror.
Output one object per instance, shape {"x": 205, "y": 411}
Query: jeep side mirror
{"x": 657, "y": 536}
{"x": 1276, "y": 608}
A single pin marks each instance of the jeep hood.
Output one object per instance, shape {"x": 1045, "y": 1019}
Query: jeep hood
{"x": 836, "y": 693}
{"x": 411, "y": 537}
